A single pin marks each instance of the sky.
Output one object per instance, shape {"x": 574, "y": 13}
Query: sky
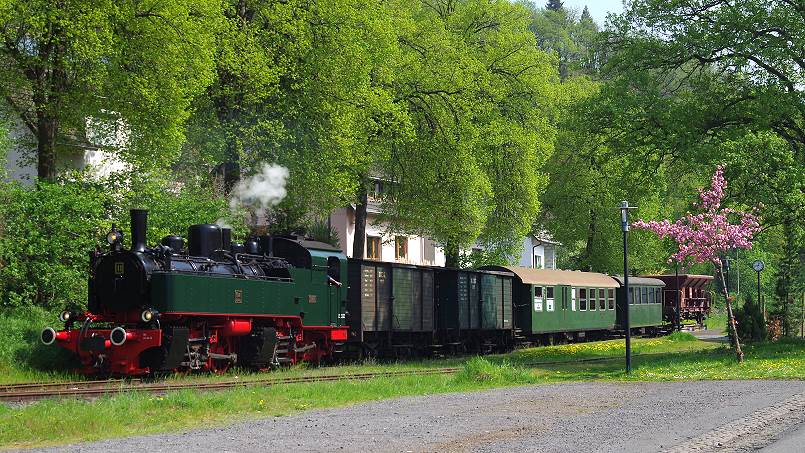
{"x": 598, "y": 8}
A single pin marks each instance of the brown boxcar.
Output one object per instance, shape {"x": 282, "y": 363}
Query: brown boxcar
{"x": 691, "y": 291}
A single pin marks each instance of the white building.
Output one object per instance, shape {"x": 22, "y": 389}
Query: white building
{"x": 539, "y": 252}
{"x": 79, "y": 154}
{"x": 381, "y": 246}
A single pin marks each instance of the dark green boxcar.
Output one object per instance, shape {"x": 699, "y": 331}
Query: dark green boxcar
{"x": 389, "y": 297}
{"x": 646, "y": 297}
{"x": 474, "y": 300}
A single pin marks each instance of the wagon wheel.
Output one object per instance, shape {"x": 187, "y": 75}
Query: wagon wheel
{"x": 220, "y": 365}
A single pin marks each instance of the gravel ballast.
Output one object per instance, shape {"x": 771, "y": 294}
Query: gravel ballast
{"x": 573, "y": 417}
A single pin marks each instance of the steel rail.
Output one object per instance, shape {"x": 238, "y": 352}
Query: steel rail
{"x": 89, "y": 389}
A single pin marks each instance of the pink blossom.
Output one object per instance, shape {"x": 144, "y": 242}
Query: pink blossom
{"x": 707, "y": 235}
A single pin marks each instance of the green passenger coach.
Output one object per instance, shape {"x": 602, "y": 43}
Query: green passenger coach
{"x": 549, "y": 301}
{"x": 645, "y": 308}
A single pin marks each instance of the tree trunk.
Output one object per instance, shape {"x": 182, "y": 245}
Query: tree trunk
{"x": 359, "y": 242}
{"x": 46, "y": 129}
{"x": 730, "y": 315}
{"x": 452, "y": 255}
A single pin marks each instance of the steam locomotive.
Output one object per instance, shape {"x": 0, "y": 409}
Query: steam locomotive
{"x": 274, "y": 300}
{"x": 207, "y": 306}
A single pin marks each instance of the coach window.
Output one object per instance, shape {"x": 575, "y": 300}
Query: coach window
{"x": 591, "y": 293}
{"x": 538, "y": 298}
{"x": 611, "y": 298}
{"x": 651, "y": 295}
{"x": 602, "y": 299}
{"x": 549, "y": 298}
{"x": 582, "y": 299}
{"x": 659, "y": 295}
{"x": 631, "y": 297}
{"x": 645, "y": 295}
{"x": 573, "y": 298}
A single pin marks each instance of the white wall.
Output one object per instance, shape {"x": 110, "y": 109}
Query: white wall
{"x": 421, "y": 251}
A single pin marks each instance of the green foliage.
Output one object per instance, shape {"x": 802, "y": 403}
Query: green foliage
{"x": 23, "y": 357}
{"x": 48, "y": 230}
{"x": 749, "y": 316}
{"x": 131, "y": 67}
{"x": 480, "y": 97}
{"x": 479, "y": 369}
{"x": 681, "y": 337}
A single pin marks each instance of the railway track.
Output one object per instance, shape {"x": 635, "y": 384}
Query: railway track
{"x": 32, "y": 391}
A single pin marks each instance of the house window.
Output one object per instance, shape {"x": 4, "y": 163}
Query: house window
{"x": 549, "y": 298}
{"x": 537, "y": 261}
{"x": 582, "y": 298}
{"x": 372, "y": 247}
{"x": 611, "y": 298}
{"x": 401, "y": 247}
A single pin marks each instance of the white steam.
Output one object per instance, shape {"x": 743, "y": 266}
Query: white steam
{"x": 261, "y": 191}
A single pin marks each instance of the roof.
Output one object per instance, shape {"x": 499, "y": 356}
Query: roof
{"x": 640, "y": 281}
{"x": 533, "y": 276}
{"x": 684, "y": 280}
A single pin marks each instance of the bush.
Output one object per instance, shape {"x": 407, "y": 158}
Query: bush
{"x": 47, "y": 231}
{"x": 749, "y": 318}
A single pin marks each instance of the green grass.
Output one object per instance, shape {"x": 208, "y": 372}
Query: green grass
{"x": 677, "y": 357}
{"x": 22, "y": 357}
{"x": 717, "y": 321}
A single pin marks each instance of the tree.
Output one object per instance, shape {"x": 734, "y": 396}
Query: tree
{"x": 554, "y": 5}
{"x": 706, "y": 236}
{"x": 478, "y": 92}
{"x": 64, "y": 63}
{"x": 700, "y": 80}
{"x": 572, "y": 38}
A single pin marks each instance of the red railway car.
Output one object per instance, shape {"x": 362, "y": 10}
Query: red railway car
{"x": 692, "y": 292}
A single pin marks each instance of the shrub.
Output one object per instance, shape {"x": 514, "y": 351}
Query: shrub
{"x": 48, "y": 230}
{"x": 749, "y": 318}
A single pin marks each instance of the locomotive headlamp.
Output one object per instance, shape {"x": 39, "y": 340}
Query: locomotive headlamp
{"x": 65, "y": 316}
{"x": 148, "y": 315}
{"x": 114, "y": 237}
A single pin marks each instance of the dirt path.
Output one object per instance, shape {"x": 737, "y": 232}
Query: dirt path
{"x": 610, "y": 417}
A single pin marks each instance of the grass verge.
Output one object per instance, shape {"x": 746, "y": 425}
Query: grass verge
{"x": 677, "y": 357}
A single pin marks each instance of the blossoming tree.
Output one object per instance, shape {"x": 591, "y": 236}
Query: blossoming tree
{"x": 705, "y": 236}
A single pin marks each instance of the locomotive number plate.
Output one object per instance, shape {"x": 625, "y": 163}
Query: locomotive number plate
{"x": 119, "y": 268}
{"x": 238, "y": 296}
{"x": 311, "y": 298}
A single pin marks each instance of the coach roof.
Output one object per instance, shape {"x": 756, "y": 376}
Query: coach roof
{"x": 557, "y": 277}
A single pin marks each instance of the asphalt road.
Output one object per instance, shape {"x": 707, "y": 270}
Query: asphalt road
{"x": 575, "y": 417}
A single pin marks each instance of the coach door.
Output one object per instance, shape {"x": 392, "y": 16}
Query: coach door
{"x": 567, "y": 305}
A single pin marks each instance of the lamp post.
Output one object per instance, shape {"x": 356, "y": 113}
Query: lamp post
{"x": 758, "y": 266}
{"x": 624, "y": 207}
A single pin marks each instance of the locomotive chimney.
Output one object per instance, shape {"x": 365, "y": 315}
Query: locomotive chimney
{"x": 139, "y": 225}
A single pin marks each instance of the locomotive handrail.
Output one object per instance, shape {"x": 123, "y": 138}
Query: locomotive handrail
{"x": 212, "y": 274}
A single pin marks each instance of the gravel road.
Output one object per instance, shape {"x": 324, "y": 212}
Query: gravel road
{"x": 575, "y": 417}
